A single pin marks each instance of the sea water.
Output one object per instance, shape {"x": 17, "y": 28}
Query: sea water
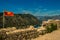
{"x": 36, "y": 26}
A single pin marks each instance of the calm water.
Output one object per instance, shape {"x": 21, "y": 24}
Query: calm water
{"x": 36, "y": 26}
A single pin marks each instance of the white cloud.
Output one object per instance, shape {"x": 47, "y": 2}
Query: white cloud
{"x": 37, "y": 11}
{"x": 44, "y": 13}
{"x": 40, "y": 12}
{"x": 45, "y": 9}
{"x": 27, "y": 12}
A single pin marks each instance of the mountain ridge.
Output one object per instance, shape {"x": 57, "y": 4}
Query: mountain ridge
{"x": 19, "y": 20}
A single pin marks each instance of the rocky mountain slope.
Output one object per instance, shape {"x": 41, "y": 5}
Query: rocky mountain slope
{"x": 44, "y": 18}
{"x": 48, "y": 17}
{"x": 18, "y": 20}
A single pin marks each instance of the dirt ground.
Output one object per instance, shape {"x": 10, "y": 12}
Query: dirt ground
{"x": 55, "y": 35}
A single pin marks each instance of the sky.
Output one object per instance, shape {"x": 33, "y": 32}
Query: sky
{"x": 34, "y": 7}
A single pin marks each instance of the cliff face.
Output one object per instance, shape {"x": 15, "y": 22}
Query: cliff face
{"x": 19, "y": 20}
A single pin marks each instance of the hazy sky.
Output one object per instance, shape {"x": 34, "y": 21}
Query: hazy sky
{"x": 35, "y": 7}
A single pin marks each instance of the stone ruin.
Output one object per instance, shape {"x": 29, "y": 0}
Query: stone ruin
{"x": 26, "y": 34}
{"x": 19, "y": 34}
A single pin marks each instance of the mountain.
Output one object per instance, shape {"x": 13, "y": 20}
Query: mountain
{"x": 18, "y": 20}
{"x": 44, "y": 18}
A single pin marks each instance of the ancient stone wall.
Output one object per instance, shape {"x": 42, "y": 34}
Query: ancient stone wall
{"x": 49, "y": 22}
{"x": 23, "y": 35}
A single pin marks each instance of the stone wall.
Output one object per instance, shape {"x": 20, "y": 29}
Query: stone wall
{"x": 49, "y": 22}
{"x": 20, "y": 35}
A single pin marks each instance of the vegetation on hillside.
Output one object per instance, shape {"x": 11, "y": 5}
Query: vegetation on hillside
{"x": 19, "y": 20}
{"x": 51, "y": 28}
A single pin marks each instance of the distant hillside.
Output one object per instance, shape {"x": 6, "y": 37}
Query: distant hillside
{"x": 42, "y": 18}
{"x": 19, "y": 20}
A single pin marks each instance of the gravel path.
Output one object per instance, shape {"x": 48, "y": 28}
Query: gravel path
{"x": 55, "y": 35}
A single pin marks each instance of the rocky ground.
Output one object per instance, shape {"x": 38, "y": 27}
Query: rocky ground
{"x": 55, "y": 35}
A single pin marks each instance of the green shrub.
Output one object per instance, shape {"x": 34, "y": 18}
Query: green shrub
{"x": 51, "y": 28}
